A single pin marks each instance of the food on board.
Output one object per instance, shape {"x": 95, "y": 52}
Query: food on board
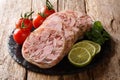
{"x": 48, "y": 44}
{"x": 23, "y": 28}
{"x": 45, "y": 11}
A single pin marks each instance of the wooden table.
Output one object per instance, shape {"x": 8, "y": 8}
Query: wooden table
{"x": 107, "y": 11}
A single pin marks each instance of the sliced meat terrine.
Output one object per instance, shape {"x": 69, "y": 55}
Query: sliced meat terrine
{"x": 47, "y": 45}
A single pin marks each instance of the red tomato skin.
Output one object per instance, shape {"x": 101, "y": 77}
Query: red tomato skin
{"x": 27, "y": 24}
{"x": 46, "y": 11}
{"x": 18, "y": 23}
{"x": 20, "y": 35}
{"x": 38, "y": 20}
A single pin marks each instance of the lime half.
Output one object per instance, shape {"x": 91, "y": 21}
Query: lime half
{"x": 79, "y": 56}
{"x": 96, "y": 45}
{"x": 86, "y": 45}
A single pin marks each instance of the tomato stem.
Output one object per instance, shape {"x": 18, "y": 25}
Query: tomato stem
{"x": 49, "y": 5}
{"x": 30, "y": 13}
{"x": 23, "y": 25}
{"x": 43, "y": 15}
{"x": 27, "y": 14}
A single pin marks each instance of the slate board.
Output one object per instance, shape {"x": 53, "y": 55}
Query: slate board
{"x": 64, "y": 67}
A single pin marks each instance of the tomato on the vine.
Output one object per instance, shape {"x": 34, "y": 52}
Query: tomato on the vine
{"x": 20, "y": 35}
{"x": 44, "y": 13}
{"x": 38, "y": 20}
{"x": 24, "y": 23}
{"x": 23, "y": 28}
{"x": 47, "y": 11}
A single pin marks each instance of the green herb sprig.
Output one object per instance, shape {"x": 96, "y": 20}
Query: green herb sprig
{"x": 97, "y": 33}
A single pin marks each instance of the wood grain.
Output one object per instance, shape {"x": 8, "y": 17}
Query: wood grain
{"x": 107, "y": 11}
{"x": 75, "y": 5}
{"x": 10, "y": 11}
{"x": 38, "y": 4}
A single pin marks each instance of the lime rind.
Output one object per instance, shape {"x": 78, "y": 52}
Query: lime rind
{"x": 96, "y": 45}
{"x": 83, "y": 52}
{"x": 75, "y": 54}
{"x": 86, "y": 45}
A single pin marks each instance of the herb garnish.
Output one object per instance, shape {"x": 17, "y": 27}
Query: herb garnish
{"x": 97, "y": 33}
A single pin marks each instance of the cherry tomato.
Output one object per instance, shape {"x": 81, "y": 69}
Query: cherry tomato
{"x": 20, "y": 35}
{"x": 46, "y": 11}
{"x": 38, "y": 20}
{"x": 24, "y": 23}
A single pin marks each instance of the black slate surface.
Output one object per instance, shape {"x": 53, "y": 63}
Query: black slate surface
{"x": 64, "y": 67}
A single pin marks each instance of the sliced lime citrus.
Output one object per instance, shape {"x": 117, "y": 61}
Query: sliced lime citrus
{"x": 96, "y": 45}
{"x": 86, "y": 45}
{"x": 79, "y": 56}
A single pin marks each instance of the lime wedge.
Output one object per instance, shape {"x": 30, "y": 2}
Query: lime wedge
{"x": 79, "y": 56}
{"x": 91, "y": 49}
{"x": 96, "y": 45}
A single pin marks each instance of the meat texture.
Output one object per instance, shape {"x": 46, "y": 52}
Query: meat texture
{"x": 47, "y": 45}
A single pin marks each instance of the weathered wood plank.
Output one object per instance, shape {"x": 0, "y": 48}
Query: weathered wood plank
{"x": 108, "y": 12}
{"x": 10, "y": 11}
{"x": 38, "y": 4}
{"x": 38, "y": 76}
{"x": 75, "y": 5}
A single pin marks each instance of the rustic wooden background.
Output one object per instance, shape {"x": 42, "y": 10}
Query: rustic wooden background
{"x": 107, "y": 11}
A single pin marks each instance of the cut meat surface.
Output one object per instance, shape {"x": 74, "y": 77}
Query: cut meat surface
{"x": 47, "y": 45}
{"x": 73, "y": 24}
{"x": 44, "y": 46}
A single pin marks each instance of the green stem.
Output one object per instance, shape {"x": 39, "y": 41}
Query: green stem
{"x": 23, "y": 25}
{"x": 30, "y": 14}
{"x": 27, "y": 14}
{"x": 43, "y": 15}
{"x": 49, "y": 5}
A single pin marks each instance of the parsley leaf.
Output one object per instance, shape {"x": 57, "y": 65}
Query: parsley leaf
{"x": 97, "y": 33}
